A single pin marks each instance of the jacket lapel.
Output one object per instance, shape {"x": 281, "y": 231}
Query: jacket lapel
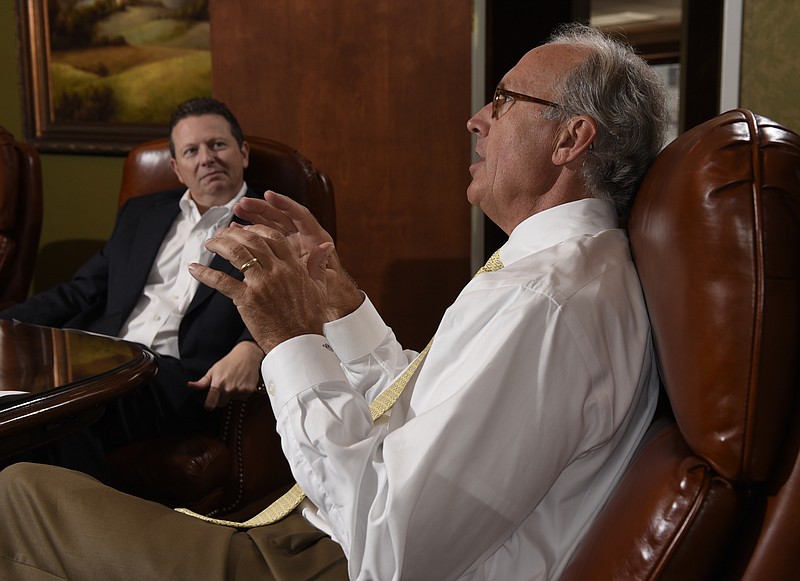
{"x": 156, "y": 222}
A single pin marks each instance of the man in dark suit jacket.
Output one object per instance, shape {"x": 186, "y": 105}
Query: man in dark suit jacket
{"x": 137, "y": 288}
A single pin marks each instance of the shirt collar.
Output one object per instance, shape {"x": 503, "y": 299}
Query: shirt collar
{"x": 189, "y": 208}
{"x": 549, "y": 227}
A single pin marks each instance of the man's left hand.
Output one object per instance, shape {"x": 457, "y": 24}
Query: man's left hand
{"x": 235, "y": 376}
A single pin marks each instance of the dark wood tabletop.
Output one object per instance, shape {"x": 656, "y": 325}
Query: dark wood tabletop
{"x": 66, "y": 377}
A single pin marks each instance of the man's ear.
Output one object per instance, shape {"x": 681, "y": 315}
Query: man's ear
{"x": 174, "y": 165}
{"x": 245, "y": 154}
{"x": 575, "y": 137}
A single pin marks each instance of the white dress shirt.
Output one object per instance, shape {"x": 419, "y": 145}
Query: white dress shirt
{"x": 539, "y": 385}
{"x": 170, "y": 288}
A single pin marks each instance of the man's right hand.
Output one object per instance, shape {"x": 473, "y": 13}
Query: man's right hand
{"x": 279, "y": 297}
{"x": 305, "y": 235}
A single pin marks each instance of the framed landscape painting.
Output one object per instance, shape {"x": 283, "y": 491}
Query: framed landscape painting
{"x": 100, "y": 76}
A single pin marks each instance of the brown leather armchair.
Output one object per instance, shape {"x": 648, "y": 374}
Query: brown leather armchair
{"x": 714, "y": 491}
{"x": 234, "y": 473}
{"x": 20, "y": 217}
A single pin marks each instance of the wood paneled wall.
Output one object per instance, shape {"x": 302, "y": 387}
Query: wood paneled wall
{"x": 376, "y": 93}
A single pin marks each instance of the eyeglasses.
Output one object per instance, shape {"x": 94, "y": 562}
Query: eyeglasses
{"x": 503, "y": 99}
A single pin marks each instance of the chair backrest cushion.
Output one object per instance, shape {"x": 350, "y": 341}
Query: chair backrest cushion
{"x": 9, "y": 181}
{"x": 715, "y": 234}
{"x": 20, "y": 217}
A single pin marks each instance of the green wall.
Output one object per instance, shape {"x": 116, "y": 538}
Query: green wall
{"x": 770, "y": 71}
{"x": 80, "y": 191}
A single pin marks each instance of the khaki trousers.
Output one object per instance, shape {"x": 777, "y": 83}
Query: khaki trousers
{"x": 60, "y": 524}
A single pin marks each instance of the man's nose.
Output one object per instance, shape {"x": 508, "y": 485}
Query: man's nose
{"x": 206, "y": 154}
{"x": 479, "y": 123}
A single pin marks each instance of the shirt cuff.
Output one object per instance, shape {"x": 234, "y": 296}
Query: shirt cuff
{"x": 297, "y": 365}
{"x": 357, "y": 334}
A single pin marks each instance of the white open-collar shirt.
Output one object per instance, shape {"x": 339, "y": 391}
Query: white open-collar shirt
{"x": 539, "y": 385}
{"x": 169, "y": 289}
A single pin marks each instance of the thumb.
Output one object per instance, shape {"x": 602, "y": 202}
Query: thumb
{"x": 201, "y": 384}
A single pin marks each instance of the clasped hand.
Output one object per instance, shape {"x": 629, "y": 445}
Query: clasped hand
{"x": 280, "y": 297}
{"x": 297, "y": 283}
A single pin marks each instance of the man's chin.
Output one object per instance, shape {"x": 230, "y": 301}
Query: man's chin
{"x": 220, "y": 189}
{"x": 473, "y": 195}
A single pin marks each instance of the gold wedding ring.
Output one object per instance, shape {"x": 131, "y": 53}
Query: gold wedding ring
{"x": 247, "y": 265}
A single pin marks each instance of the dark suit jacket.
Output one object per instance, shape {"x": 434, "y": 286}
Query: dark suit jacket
{"x": 105, "y": 290}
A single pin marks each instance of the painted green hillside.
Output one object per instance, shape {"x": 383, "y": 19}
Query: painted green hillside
{"x": 127, "y": 62}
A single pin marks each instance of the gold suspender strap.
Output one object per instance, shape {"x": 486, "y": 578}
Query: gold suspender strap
{"x": 379, "y": 406}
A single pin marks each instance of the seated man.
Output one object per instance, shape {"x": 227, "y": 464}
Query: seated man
{"x": 137, "y": 287}
{"x": 503, "y": 442}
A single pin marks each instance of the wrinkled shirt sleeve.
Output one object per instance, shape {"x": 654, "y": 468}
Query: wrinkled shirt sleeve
{"x": 368, "y": 351}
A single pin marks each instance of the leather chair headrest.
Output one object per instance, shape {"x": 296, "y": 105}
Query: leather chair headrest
{"x": 273, "y": 165}
{"x": 715, "y": 233}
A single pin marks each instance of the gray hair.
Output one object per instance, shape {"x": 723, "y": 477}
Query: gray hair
{"x": 627, "y": 100}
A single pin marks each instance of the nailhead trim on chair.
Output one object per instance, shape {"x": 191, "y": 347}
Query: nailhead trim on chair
{"x": 239, "y": 456}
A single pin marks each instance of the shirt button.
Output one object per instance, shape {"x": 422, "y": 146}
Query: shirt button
{"x": 157, "y": 317}
{"x": 271, "y": 389}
